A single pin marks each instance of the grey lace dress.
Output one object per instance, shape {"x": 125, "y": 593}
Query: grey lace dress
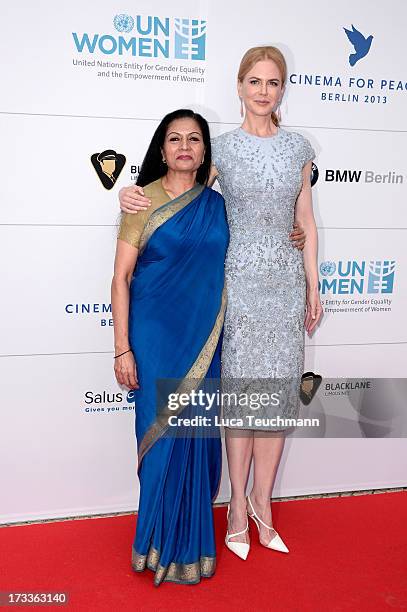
{"x": 260, "y": 179}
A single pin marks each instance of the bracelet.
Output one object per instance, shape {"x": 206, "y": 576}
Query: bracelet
{"x": 128, "y": 351}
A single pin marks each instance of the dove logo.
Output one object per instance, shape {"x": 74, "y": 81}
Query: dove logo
{"x": 360, "y": 43}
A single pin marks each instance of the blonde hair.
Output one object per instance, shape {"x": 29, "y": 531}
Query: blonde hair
{"x": 259, "y": 54}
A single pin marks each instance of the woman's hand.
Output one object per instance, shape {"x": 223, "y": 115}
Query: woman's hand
{"x": 132, "y": 199}
{"x": 126, "y": 371}
{"x": 314, "y": 310}
{"x": 297, "y": 236}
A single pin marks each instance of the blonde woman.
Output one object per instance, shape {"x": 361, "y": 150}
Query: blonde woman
{"x": 264, "y": 174}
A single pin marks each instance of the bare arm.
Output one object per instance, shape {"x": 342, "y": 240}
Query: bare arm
{"x": 125, "y": 261}
{"x": 305, "y": 217}
{"x": 132, "y": 198}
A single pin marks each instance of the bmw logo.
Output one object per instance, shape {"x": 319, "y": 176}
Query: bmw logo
{"x": 314, "y": 174}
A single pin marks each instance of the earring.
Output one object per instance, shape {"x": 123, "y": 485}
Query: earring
{"x": 164, "y": 160}
{"x": 202, "y": 161}
{"x": 241, "y": 108}
{"x": 279, "y": 112}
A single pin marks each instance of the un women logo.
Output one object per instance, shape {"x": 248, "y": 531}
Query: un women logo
{"x": 381, "y": 276}
{"x": 190, "y": 39}
{"x": 123, "y": 23}
{"x": 327, "y": 268}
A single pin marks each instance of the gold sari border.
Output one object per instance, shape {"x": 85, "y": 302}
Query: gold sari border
{"x": 182, "y": 573}
{"x": 166, "y": 211}
{"x": 191, "y": 382}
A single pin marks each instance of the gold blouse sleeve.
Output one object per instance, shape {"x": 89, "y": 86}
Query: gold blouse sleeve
{"x": 131, "y": 227}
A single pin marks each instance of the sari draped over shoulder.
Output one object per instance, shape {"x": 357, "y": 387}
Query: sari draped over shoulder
{"x": 176, "y": 314}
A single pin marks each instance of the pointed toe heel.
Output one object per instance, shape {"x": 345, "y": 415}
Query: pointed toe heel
{"x": 241, "y": 549}
{"x": 276, "y": 543}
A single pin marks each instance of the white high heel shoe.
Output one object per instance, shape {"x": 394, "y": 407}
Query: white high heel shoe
{"x": 276, "y": 543}
{"x": 241, "y": 549}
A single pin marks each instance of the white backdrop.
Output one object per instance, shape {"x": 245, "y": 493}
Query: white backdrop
{"x": 67, "y": 431}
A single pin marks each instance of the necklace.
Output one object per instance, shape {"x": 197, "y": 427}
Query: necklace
{"x": 168, "y": 190}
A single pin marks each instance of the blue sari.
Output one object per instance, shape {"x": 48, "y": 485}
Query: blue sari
{"x": 177, "y": 307}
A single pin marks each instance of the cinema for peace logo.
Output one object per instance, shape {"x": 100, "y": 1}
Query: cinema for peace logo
{"x": 148, "y": 36}
{"x": 360, "y": 43}
{"x": 354, "y": 87}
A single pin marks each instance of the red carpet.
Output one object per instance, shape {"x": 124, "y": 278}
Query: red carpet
{"x": 346, "y": 553}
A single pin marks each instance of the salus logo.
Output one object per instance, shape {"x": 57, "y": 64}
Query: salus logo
{"x": 108, "y": 402}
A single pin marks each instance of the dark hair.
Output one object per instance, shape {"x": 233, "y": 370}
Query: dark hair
{"x": 153, "y": 166}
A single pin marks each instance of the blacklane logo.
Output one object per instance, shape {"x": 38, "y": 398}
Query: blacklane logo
{"x": 134, "y": 171}
{"x": 360, "y": 44}
{"x": 309, "y": 386}
{"x": 108, "y": 165}
{"x": 152, "y": 36}
{"x": 346, "y": 387}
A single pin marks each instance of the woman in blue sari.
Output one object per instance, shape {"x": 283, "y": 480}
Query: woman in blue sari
{"x": 168, "y": 303}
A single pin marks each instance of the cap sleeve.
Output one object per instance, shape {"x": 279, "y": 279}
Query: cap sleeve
{"x": 216, "y": 152}
{"x": 307, "y": 152}
{"x": 131, "y": 227}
